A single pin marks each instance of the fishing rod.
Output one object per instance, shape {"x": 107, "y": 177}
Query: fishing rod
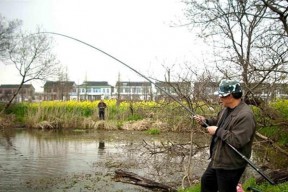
{"x": 160, "y": 88}
{"x": 89, "y": 45}
{"x": 247, "y": 160}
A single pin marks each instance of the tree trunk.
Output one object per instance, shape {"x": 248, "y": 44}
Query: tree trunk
{"x": 278, "y": 176}
{"x": 272, "y": 143}
{"x": 13, "y": 97}
{"x": 132, "y": 178}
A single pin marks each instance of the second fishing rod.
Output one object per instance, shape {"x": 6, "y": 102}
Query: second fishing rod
{"x": 192, "y": 113}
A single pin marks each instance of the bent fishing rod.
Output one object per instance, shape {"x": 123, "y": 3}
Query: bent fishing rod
{"x": 89, "y": 45}
{"x": 171, "y": 96}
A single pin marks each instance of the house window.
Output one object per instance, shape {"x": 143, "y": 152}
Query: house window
{"x": 107, "y": 90}
{"x": 127, "y": 90}
{"x": 97, "y": 90}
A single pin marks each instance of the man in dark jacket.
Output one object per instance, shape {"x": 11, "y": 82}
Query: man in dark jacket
{"x": 101, "y": 109}
{"x": 235, "y": 125}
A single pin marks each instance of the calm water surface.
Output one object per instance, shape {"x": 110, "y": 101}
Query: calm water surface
{"x": 31, "y": 158}
{"x": 36, "y": 160}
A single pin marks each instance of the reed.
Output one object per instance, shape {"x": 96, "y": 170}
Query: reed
{"x": 75, "y": 114}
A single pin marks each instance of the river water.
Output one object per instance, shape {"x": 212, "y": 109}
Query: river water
{"x": 80, "y": 160}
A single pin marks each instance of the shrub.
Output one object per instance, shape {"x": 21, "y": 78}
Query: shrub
{"x": 134, "y": 117}
{"x": 153, "y": 131}
{"x": 281, "y": 106}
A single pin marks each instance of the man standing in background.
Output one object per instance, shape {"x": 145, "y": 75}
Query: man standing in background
{"x": 101, "y": 109}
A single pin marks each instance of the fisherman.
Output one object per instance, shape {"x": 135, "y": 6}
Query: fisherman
{"x": 235, "y": 125}
{"x": 101, "y": 109}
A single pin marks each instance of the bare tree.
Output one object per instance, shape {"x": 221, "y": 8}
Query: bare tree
{"x": 7, "y": 32}
{"x": 279, "y": 11}
{"x": 62, "y": 74}
{"x": 33, "y": 58}
{"x": 243, "y": 39}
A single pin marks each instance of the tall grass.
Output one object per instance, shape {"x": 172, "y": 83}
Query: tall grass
{"x": 72, "y": 114}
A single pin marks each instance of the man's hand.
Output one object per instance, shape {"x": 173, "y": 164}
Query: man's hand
{"x": 200, "y": 119}
{"x": 212, "y": 129}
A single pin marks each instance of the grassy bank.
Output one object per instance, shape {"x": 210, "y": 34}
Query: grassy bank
{"x": 272, "y": 119}
{"x": 73, "y": 114}
{"x": 250, "y": 184}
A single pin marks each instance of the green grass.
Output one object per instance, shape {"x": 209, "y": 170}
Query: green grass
{"x": 194, "y": 188}
{"x": 275, "y": 133}
{"x": 134, "y": 117}
{"x": 153, "y": 131}
{"x": 265, "y": 187}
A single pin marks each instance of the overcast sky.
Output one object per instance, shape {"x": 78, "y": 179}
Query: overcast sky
{"x": 137, "y": 32}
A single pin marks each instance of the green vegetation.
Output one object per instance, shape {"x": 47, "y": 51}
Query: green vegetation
{"x": 134, "y": 117}
{"x": 194, "y": 188}
{"x": 153, "y": 131}
{"x": 74, "y": 114}
{"x": 281, "y": 106}
{"x": 272, "y": 121}
{"x": 265, "y": 187}
{"x": 276, "y": 133}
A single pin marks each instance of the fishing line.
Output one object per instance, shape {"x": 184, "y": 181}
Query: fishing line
{"x": 160, "y": 88}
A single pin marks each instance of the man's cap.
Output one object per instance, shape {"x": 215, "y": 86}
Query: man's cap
{"x": 227, "y": 87}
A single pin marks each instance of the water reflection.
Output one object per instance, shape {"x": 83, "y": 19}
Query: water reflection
{"x": 25, "y": 156}
{"x": 101, "y": 148}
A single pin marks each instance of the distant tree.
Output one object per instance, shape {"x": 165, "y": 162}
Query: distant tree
{"x": 63, "y": 87}
{"x": 7, "y": 32}
{"x": 33, "y": 58}
{"x": 247, "y": 42}
{"x": 194, "y": 84}
{"x": 62, "y": 74}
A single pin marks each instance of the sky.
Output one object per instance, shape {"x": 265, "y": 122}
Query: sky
{"x": 141, "y": 33}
